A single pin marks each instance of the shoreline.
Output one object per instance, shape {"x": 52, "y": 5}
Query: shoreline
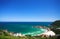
{"x": 34, "y": 33}
{"x": 46, "y": 31}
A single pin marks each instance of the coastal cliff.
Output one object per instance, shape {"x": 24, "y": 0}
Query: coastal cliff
{"x": 55, "y": 26}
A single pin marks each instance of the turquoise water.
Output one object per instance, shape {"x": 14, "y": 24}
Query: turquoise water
{"x": 24, "y": 27}
{"x": 35, "y": 32}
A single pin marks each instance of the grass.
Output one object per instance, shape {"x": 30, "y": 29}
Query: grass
{"x": 26, "y": 37}
{"x": 5, "y": 35}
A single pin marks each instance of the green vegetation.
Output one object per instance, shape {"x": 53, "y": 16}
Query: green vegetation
{"x": 6, "y": 35}
{"x": 55, "y": 25}
{"x": 26, "y": 37}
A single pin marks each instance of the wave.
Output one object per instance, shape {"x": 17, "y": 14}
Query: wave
{"x": 35, "y": 33}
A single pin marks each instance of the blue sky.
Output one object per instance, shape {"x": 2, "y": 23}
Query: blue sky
{"x": 29, "y": 10}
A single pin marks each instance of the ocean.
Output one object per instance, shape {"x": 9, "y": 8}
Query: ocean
{"x": 24, "y": 27}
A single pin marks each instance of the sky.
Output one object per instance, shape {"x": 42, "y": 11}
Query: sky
{"x": 29, "y": 10}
